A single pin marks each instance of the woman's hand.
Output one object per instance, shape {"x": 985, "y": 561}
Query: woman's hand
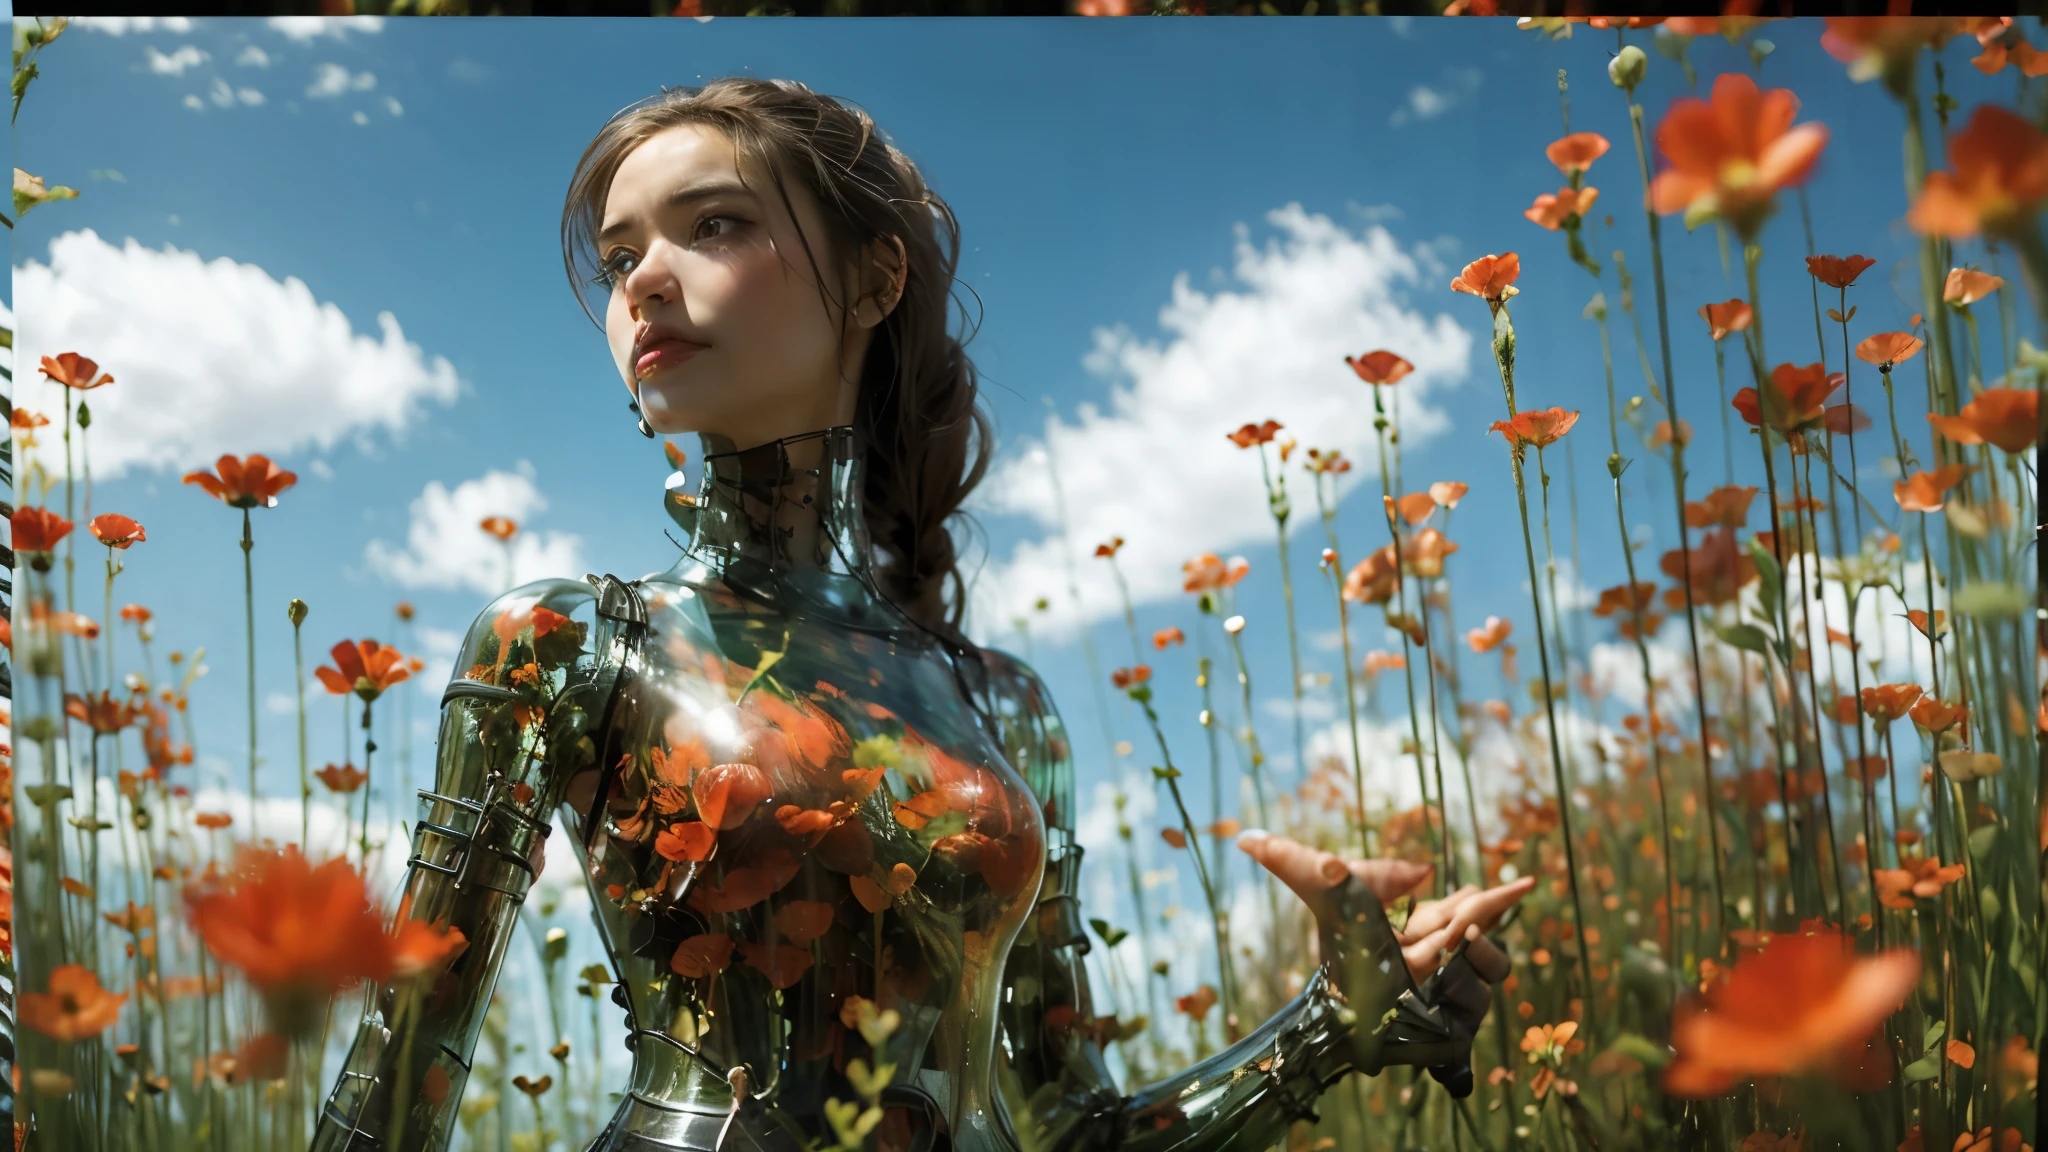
{"x": 1349, "y": 938}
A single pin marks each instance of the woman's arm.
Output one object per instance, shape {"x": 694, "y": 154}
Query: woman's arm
{"x": 515, "y": 725}
{"x": 1058, "y": 1086}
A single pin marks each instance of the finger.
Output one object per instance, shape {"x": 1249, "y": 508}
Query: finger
{"x": 1309, "y": 872}
{"x": 1391, "y": 879}
{"x": 1434, "y": 914}
{"x": 1486, "y": 957}
{"x": 1489, "y": 906}
{"x": 1425, "y": 953}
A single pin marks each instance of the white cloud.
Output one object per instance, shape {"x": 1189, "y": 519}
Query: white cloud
{"x": 359, "y": 117}
{"x": 1274, "y": 349}
{"x": 333, "y": 80}
{"x": 176, "y": 62}
{"x": 441, "y": 645}
{"x": 221, "y": 93}
{"x": 249, "y": 95}
{"x": 193, "y": 101}
{"x": 254, "y": 365}
{"x": 469, "y": 71}
{"x": 1426, "y": 102}
{"x": 122, "y": 25}
{"x": 254, "y": 56}
{"x": 445, "y": 547}
{"x": 304, "y": 29}
{"x": 392, "y": 106}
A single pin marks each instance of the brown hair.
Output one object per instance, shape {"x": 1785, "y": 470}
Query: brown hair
{"x": 927, "y": 439}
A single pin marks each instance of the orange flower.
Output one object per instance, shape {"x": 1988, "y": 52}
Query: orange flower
{"x": 363, "y": 667}
{"x": 1796, "y": 396}
{"x": 1937, "y": 716}
{"x": 1630, "y": 598}
{"x": 1491, "y": 278}
{"x": 1920, "y": 878}
{"x": 1966, "y": 286}
{"x": 1197, "y": 1004}
{"x": 299, "y": 933}
{"x": 1128, "y": 677}
{"x": 500, "y": 526}
{"x": 342, "y": 777}
{"x": 1918, "y": 619}
{"x": 1374, "y": 579}
{"x": 1331, "y": 461}
{"x": 1997, "y": 54}
{"x": 1926, "y": 491}
{"x": 700, "y": 956}
{"x": 1251, "y": 434}
{"x": 1888, "y": 348}
{"x": 1844, "y": 419}
{"x": 690, "y": 840}
{"x": 1447, "y": 493}
{"x": 1208, "y": 572}
{"x": 1662, "y": 434}
{"x": 1727, "y": 505}
{"x": 37, "y": 529}
{"x": 1803, "y": 1002}
{"x": 1540, "y": 427}
{"x": 135, "y": 613}
{"x": 1731, "y": 154}
{"x": 1554, "y": 211}
{"x": 251, "y": 482}
{"x": 75, "y": 371}
{"x": 1167, "y": 637}
{"x": 1982, "y": 1140}
{"x": 1377, "y": 661}
{"x": 1720, "y": 569}
{"x": 1379, "y": 367}
{"x": 1488, "y": 638}
{"x": 1174, "y": 837}
{"x": 802, "y": 921}
{"x": 102, "y": 713}
{"x": 213, "y": 820}
{"x": 1577, "y": 151}
{"x": 727, "y": 794}
{"x": 2006, "y": 417}
{"x": 1415, "y": 507}
{"x": 1888, "y": 702}
{"x": 1725, "y": 317}
{"x": 115, "y": 530}
{"x": 1109, "y": 549}
{"x": 420, "y": 948}
{"x": 1872, "y": 45}
{"x": 1999, "y": 183}
{"x": 75, "y": 1008}
{"x": 1837, "y": 271}
{"x": 1423, "y": 554}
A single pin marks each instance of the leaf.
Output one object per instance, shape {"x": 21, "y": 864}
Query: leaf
{"x": 1990, "y": 599}
{"x": 869, "y": 1084}
{"x": 48, "y": 793}
{"x": 1935, "y": 1031}
{"x": 1925, "y": 1068}
{"x": 1767, "y": 567}
{"x": 1111, "y": 934}
{"x": 1747, "y": 637}
{"x": 1642, "y": 1050}
{"x": 1983, "y": 840}
{"x": 1159, "y": 773}
{"x": 29, "y": 192}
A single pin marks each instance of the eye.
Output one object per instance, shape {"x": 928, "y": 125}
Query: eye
{"x": 609, "y": 274}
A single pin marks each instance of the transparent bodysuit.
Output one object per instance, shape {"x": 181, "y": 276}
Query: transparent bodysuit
{"x": 787, "y": 799}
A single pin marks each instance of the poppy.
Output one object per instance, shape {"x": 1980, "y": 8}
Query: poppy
{"x": 1488, "y": 638}
{"x": 1540, "y": 427}
{"x": 700, "y": 956}
{"x": 1251, "y": 434}
{"x": 1650, "y": 622}
{"x": 1938, "y": 716}
{"x": 1725, "y": 317}
{"x": 1795, "y": 396}
{"x": 25, "y": 419}
{"x": 1167, "y": 637}
{"x": 1447, "y": 493}
{"x": 1577, "y": 151}
{"x": 1662, "y": 434}
{"x": 1844, "y": 419}
{"x": 868, "y": 893}
{"x": 363, "y": 667}
{"x": 1888, "y": 702}
{"x": 1921, "y": 878}
{"x": 502, "y": 527}
{"x": 1720, "y": 569}
{"x": 74, "y": 1008}
{"x": 250, "y": 482}
{"x": 688, "y": 840}
{"x": 727, "y": 794}
{"x": 920, "y": 809}
{"x": 1802, "y": 1002}
{"x": 781, "y": 963}
{"x": 213, "y": 820}
{"x": 1374, "y": 579}
{"x": 1378, "y": 661}
{"x": 1332, "y": 461}
{"x": 1727, "y": 505}
{"x": 1415, "y": 507}
{"x": 1554, "y": 210}
{"x": 533, "y": 1088}
{"x": 115, "y": 530}
{"x": 745, "y": 886}
{"x": 1888, "y": 348}
{"x": 1491, "y": 278}
{"x": 422, "y": 948}
{"x": 1104, "y": 551}
{"x": 802, "y": 921}
{"x": 2006, "y": 417}
{"x": 1128, "y": 677}
{"x": 795, "y": 732}
{"x": 1837, "y": 271}
{"x": 1423, "y": 554}
{"x": 1871, "y": 45}
{"x": 102, "y": 713}
{"x": 1746, "y": 403}
{"x": 1999, "y": 182}
{"x": 37, "y": 529}
{"x": 1174, "y": 837}
{"x": 1197, "y": 1004}
{"x": 1927, "y": 491}
{"x": 1380, "y": 367}
{"x": 75, "y": 372}
{"x": 135, "y": 613}
{"x": 1918, "y": 619}
{"x": 1966, "y": 286}
{"x": 1997, "y": 54}
{"x": 343, "y": 778}
{"x": 1963, "y": 765}
{"x": 1730, "y": 154}
{"x": 1208, "y": 572}
{"x": 1623, "y": 598}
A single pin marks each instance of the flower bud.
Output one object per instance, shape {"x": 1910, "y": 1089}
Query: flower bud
{"x": 297, "y": 612}
{"x": 1627, "y": 67}
{"x": 1963, "y": 765}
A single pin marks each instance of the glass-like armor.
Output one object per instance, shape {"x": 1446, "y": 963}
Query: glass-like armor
{"x": 787, "y": 798}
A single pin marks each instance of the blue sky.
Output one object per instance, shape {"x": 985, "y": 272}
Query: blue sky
{"x": 341, "y": 248}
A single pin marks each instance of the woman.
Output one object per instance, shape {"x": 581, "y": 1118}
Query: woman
{"x": 829, "y": 841}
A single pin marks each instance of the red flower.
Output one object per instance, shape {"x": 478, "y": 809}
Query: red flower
{"x": 1730, "y": 155}
{"x": 690, "y": 840}
{"x": 75, "y": 1008}
{"x": 1888, "y": 348}
{"x": 37, "y": 529}
{"x": 1104, "y": 551}
{"x": 1252, "y": 434}
{"x": 1208, "y": 572}
{"x": 1538, "y": 427}
{"x": 727, "y": 794}
{"x": 1555, "y": 210}
{"x": 1167, "y": 637}
{"x": 1927, "y": 491}
{"x": 1491, "y": 278}
{"x": 500, "y": 526}
{"x": 1577, "y": 151}
{"x": 115, "y": 530}
{"x": 1725, "y": 317}
{"x": 74, "y": 371}
{"x": 2006, "y": 417}
{"x": 1379, "y": 367}
{"x": 251, "y": 482}
{"x": 1999, "y": 183}
{"x": 1837, "y": 271}
{"x": 363, "y": 667}
{"x": 1127, "y": 677}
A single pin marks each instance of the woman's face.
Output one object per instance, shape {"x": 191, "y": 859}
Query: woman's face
{"x": 758, "y": 355}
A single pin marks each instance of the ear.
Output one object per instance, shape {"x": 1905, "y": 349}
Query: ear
{"x": 884, "y": 272}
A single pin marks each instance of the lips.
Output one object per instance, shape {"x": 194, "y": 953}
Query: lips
{"x": 664, "y": 353}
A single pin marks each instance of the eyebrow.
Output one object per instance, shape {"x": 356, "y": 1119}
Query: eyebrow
{"x": 677, "y": 198}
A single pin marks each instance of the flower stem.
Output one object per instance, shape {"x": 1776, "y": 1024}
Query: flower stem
{"x": 249, "y": 609}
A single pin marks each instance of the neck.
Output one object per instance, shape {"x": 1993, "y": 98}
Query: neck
{"x": 788, "y": 506}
